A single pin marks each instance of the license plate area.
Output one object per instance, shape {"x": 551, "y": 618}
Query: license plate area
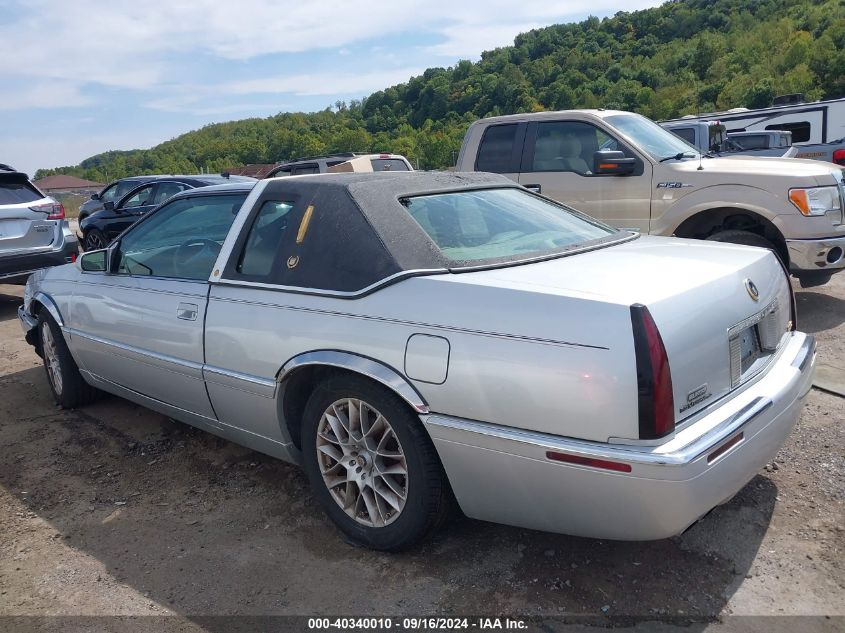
{"x": 749, "y": 348}
{"x": 752, "y": 344}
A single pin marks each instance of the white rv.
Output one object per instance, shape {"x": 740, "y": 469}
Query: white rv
{"x": 818, "y": 128}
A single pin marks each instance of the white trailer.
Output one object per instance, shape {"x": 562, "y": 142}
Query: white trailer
{"x": 818, "y": 128}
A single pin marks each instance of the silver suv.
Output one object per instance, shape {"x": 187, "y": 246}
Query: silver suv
{"x": 33, "y": 231}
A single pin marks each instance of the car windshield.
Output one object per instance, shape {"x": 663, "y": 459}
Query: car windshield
{"x": 491, "y": 226}
{"x": 647, "y": 135}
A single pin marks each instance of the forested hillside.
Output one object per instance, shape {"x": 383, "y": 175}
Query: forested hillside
{"x": 683, "y": 56}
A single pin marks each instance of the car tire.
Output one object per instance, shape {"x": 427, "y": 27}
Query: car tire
{"x": 94, "y": 239}
{"x": 373, "y": 473}
{"x": 66, "y": 382}
{"x": 746, "y": 238}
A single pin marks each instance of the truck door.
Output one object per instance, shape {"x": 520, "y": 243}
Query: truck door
{"x": 558, "y": 162}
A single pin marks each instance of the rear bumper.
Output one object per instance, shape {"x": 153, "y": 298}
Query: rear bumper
{"x": 816, "y": 255}
{"x": 502, "y": 474}
{"x": 16, "y": 268}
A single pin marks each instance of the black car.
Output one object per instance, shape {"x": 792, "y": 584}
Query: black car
{"x": 113, "y": 192}
{"x": 100, "y": 228}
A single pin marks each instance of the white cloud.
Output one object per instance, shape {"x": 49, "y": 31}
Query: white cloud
{"x": 324, "y": 83}
{"x": 130, "y": 44}
{"x": 43, "y": 94}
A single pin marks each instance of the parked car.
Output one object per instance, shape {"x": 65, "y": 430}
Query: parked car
{"x": 628, "y": 171}
{"x": 112, "y": 192}
{"x": 407, "y": 337}
{"x": 339, "y": 163}
{"x": 99, "y": 228}
{"x": 33, "y": 231}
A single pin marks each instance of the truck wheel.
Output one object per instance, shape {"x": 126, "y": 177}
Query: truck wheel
{"x": 68, "y": 386}
{"x": 745, "y": 238}
{"x": 372, "y": 465}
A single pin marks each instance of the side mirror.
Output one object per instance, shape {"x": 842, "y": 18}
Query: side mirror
{"x": 108, "y": 206}
{"x": 94, "y": 261}
{"x": 612, "y": 162}
{"x": 95, "y": 196}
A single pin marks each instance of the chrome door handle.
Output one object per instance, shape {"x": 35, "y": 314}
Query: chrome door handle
{"x": 534, "y": 188}
{"x": 187, "y": 311}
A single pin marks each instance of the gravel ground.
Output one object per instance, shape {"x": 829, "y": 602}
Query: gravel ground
{"x": 115, "y": 510}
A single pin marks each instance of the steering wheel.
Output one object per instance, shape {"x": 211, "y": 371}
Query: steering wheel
{"x": 194, "y": 250}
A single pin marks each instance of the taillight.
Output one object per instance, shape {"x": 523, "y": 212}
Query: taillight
{"x": 654, "y": 380}
{"x": 54, "y": 210}
{"x": 58, "y": 212}
{"x": 839, "y": 156}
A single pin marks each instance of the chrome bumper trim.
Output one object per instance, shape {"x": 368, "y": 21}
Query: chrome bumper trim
{"x": 27, "y": 321}
{"x": 811, "y": 255}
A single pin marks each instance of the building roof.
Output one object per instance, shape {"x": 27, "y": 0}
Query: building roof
{"x": 61, "y": 181}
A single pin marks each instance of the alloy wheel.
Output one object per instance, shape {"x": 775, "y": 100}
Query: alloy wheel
{"x": 362, "y": 462}
{"x": 51, "y": 356}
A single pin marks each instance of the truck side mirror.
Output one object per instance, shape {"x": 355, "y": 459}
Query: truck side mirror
{"x": 613, "y": 162}
{"x": 108, "y": 206}
{"x": 95, "y": 196}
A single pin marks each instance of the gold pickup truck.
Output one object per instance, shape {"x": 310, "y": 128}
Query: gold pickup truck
{"x": 625, "y": 169}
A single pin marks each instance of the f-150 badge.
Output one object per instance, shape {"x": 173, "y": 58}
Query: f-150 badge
{"x": 673, "y": 185}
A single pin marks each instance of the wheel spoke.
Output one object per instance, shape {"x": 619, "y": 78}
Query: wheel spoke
{"x": 394, "y": 487}
{"x": 388, "y": 495}
{"x": 338, "y": 429}
{"x": 332, "y": 451}
{"x": 376, "y": 517}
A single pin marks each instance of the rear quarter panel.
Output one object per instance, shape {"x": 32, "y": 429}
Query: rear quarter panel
{"x": 548, "y": 363}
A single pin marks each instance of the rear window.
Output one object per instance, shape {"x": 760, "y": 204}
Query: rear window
{"x": 17, "y": 192}
{"x": 497, "y": 149}
{"x": 500, "y": 225}
{"x": 389, "y": 164}
{"x": 686, "y": 133}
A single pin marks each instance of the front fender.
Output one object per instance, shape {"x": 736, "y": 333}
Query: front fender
{"x": 739, "y": 197}
{"x": 47, "y": 302}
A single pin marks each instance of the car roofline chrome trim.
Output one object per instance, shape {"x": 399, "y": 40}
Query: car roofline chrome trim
{"x": 368, "y": 367}
{"x": 235, "y": 230}
{"x": 337, "y": 294}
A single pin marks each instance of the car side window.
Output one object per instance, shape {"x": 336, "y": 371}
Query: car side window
{"x": 167, "y": 190}
{"x": 109, "y": 194}
{"x": 264, "y": 239}
{"x": 495, "y": 154}
{"x": 140, "y": 198}
{"x": 181, "y": 240}
{"x": 569, "y": 146}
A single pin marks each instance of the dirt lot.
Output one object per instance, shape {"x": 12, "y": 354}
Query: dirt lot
{"x": 114, "y": 510}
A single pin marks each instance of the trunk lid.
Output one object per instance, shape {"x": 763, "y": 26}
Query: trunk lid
{"x": 24, "y": 227}
{"x": 721, "y": 309}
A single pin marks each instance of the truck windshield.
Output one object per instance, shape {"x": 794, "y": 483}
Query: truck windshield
{"x": 660, "y": 144}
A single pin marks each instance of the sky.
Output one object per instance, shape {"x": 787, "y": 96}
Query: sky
{"x": 80, "y": 77}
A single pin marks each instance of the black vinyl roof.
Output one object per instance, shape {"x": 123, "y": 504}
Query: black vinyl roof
{"x": 376, "y": 197}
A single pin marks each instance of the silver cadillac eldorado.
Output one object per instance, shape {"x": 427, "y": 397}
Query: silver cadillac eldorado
{"x": 419, "y": 338}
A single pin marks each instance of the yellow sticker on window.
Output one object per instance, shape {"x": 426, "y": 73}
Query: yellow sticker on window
{"x": 303, "y": 226}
